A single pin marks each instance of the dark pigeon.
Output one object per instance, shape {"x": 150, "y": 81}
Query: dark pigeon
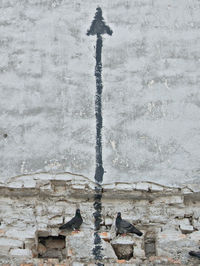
{"x": 74, "y": 223}
{"x": 124, "y": 227}
{"x": 195, "y": 254}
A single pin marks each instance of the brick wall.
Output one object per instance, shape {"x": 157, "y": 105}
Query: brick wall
{"x": 168, "y": 218}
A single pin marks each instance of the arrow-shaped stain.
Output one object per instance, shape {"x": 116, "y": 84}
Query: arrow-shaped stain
{"x": 98, "y": 28}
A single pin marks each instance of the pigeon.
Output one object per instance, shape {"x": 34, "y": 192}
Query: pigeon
{"x": 195, "y": 254}
{"x": 74, "y": 223}
{"x": 124, "y": 226}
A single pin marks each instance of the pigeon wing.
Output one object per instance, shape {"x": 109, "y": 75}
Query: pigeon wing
{"x": 69, "y": 225}
{"x": 129, "y": 228}
{"x": 77, "y": 222}
{"x": 126, "y": 226}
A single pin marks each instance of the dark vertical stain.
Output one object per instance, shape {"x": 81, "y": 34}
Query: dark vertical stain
{"x": 98, "y": 27}
{"x": 99, "y": 120}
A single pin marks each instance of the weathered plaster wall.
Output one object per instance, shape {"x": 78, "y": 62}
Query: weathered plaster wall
{"x": 150, "y": 99}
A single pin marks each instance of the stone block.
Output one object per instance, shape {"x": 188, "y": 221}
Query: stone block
{"x": 78, "y": 187}
{"x": 27, "y": 264}
{"x": 55, "y": 210}
{"x": 196, "y": 212}
{"x": 170, "y": 236}
{"x": 175, "y": 212}
{"x": 7, "y": 243}
{"x": 109, "y": 186}
{"x": 56, "y": 221}
{"x": 43, "y": 233}
{"x": 196, "y": 224}
{"x": 46, "y": 188}
{"x": 172, "y": 200}
{"x": 42, "y": 219}
{"x": 77, "y": 249}
{"x": 142, "y": 186}
{"x": 138, "y": 252}
{"x": 21, "y": 253}
{"x": 2, "y": 232}
{"x": 108, "y": 220}
{"x": 29, "y": 183}
{"x": 184, "y": 221}
{"x": 155, "y": 188}
{"x": 21, "y": 235}
{"x": 186, "y": 229}
{"x": 195, "y": 236}
{"x": 171, "y": 243}
{"x": 40, "y": 210}
{"x": 62, "y": 264}
{"x": 185, "y": 226}
{"x": 54, "y": 231}
{"x": 53, "y": 261}
{"x": 124, "y": 187}
{"x": 4, "y": 252}
{"x": 15, "y": 184}
{"x": 138, "y": 245}
{"x": 123, "y": 240}
{"x": 160, "y": 260}
{"x": 77, "y": 263}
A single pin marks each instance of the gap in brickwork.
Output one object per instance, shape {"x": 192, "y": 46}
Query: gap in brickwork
{"x": 52, "y": 247}
{"x": 123, "y": 251}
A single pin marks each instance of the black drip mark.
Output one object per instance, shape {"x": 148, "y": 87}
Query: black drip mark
{"x": 99, "y": 120}
{"x": 97, "y": 207}
{"x": 5, "y": 135}
{"x": 97, "y": 217}
{"x": 98, "y": 27}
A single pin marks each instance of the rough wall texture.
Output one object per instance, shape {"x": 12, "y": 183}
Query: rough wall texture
{"x": 35, "y": 206}
{"x": 150, "y": 134}
{"x": 150, "y": 98}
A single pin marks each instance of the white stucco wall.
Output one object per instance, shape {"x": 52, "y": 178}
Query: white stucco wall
{"x": 150, "y": 97}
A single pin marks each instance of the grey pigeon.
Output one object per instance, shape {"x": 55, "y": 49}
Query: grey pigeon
{"x": 124, "y": 227}
{"x": 74, "y": 223}
{"x": 195, "y": 254}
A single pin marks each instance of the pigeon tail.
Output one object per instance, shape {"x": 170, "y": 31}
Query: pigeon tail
{"x": 136, "y": 231}
{"x": 64, "y": 226}
{"x": 194, "y": 254}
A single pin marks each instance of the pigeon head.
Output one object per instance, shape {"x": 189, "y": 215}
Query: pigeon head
{"x": 78, "y": 211}
{"x": 119, "y": 215}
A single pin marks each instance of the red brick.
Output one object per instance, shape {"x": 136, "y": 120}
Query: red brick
{"x": 53, "y": 260}
{"x": 61, "y": 264}
{"x": 121, "y": 261}
{"x": 26, "y": 264}
{"x": 2, "y": 232}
